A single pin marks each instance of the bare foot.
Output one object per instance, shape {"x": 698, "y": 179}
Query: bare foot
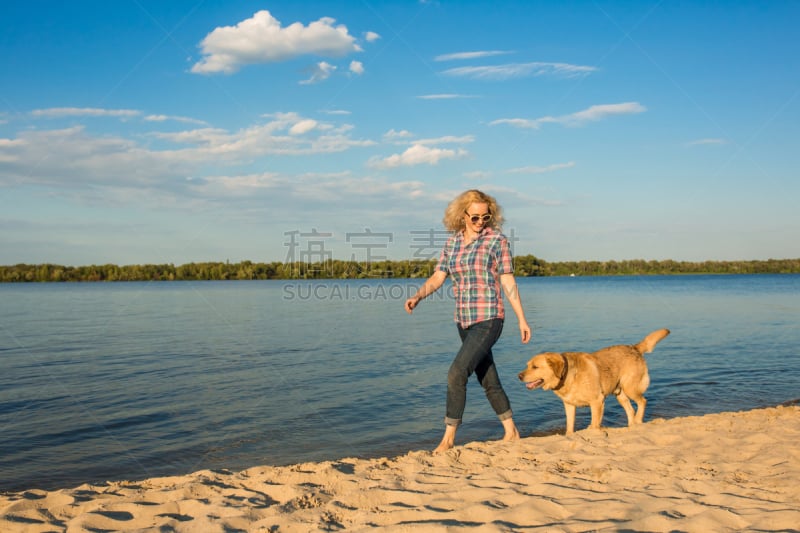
{"x": 514, "y": 435}
{"x": 511, "y": 430}
{"x": 448, "y": 440}
{"x": 442, "y": 447}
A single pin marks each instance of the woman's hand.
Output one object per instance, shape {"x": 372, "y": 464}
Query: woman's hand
{"x": 429, "y": 287}
{"x": 510, "y": 288}
{"x": 411, "y": 303}
{"x": 524, "y": 331}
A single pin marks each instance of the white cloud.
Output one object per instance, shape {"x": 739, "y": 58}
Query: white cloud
{"x": 60, "y": 112}
{"x": 518, "y": 122}
{"x": 417, "y": 154}
{"x": 344, "y": 189}
{"x": 165, "y": 118}
{"x": 262, "y": 39}
{"x": 319, "y": 72}
{"x": 598, "y": 112}
{"x": 72, "y": 158}
{"x": 199, "y": 136}
{"x": 470, "y": 55}
{"x": 444, "y": 96}
{"x": 371, "y": 36}
{"x": 447, "y": 139}
{"x": 284, "y": 134}
{"x": 239, "y": 185}
{"x": 520, "y": 70}
{"x": 393, "y": 135}
{"x": 304, "y": 126}
{"x": 541, "y": 170}
{"x": 702, "y": 142}
{"x": 404, "y": 137}
{"x": 357, "y": 67}
{"x": 478, "y": 175}
{"x": 10, "y": 150}
{"x": 319, "y": 187}
{"x": 75, "y": 159}
{"x": 591, "y": 114}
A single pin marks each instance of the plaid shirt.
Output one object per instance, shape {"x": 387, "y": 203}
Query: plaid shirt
{"x": 476, "y": 269}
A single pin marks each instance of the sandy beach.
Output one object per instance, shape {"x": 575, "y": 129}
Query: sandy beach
{"x": 720, "y": 472}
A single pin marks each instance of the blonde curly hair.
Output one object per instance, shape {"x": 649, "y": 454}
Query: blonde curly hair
{"x": 454, "y": 214}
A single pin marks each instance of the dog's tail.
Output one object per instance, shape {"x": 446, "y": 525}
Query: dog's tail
{"x": 649, "y": 342}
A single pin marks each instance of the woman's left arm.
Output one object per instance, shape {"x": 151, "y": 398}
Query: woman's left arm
{"x": 512, "y": 295}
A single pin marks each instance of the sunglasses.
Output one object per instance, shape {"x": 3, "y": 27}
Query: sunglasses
{"x": 476, "y": 218}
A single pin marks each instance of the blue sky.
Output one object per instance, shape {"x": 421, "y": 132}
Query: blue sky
{"x": 141, "y": 131}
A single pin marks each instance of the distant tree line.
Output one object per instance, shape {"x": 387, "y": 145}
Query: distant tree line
{"x": 638, "y": 267}
{"x": 525, "y": 266}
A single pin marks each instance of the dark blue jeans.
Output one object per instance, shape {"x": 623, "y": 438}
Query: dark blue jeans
{"x": 475, "y": 356}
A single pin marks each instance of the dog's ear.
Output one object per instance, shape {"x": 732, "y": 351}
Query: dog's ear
{"x": 556, "y": 363}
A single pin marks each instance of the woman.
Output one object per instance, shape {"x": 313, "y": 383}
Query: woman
{"x": 478, "y": 258}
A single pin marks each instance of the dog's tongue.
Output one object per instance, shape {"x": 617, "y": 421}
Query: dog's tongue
{"x": 534, "y": 384}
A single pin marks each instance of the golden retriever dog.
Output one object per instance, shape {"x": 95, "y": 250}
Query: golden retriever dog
{"x": 582, "y": 379}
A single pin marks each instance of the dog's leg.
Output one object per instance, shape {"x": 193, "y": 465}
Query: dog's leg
{"x": 570, "y": 410}
{"x": 635, "y": 391}
{"x": 597, "y": 413}
{"x": 641, "y": 403}
{"x": 625, "y": 402}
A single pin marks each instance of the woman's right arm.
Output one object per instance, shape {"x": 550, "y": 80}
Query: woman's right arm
{"x": 430, "y": 286}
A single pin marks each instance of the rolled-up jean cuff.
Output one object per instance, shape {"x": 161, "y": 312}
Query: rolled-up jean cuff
{"x": 505, "y": 416}
{"x": 452, "y": 421}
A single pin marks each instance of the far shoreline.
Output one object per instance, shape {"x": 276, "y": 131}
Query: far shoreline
{"x": 525, "y": 266}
